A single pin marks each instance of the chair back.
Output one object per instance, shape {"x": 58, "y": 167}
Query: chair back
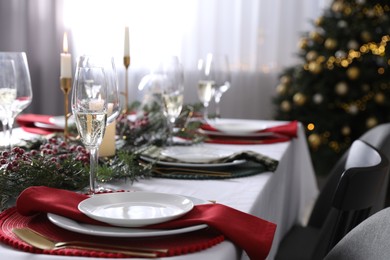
{"x": 356, "y": 193}
{"x": 379, "y": 138}
{"x": 369, "y": 240}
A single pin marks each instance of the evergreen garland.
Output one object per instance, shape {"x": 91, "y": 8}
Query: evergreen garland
{"x": 64, "y": 164}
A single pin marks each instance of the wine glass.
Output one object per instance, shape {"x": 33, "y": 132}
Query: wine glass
{"x": 89, "y": 107}
{"x": 206, "y": 83}
{"x": 7, "y": 95}
{"x": 172, "y": 92}
{"x": 220, "y": 65}
{"x": 15, "y": 89}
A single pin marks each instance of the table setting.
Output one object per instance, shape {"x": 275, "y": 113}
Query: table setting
{"x": 155, "y": 179}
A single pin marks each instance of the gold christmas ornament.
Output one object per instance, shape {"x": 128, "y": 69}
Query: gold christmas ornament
{"x": 318, "y": 98}
{"x": 316, "y": 36}
{"x": 346, "y": 130}
{"x": 281, "y": 89}
{"x": 285, "y": 106}
{"x": 314, "y": 141}
{"x": 341, "y": 88}
{"x": 319, "y": 21}
{"x": 337, "y": 6}
{"x": 285, "y": 79}
{"x": 371, "y": 122}
{"x": 353, "y": 73}
{"x": 353, "y": 109}
{"x": 315, "y": 67}
{"x": 299, "y": 99}
{"x": 379, "y": 98}
{"x": 330, "y": 43}
{"x": 311, "y": 55}
{"x": 303, "y": 43}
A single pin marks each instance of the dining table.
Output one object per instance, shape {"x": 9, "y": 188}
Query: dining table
{"x": 284, "y": 196}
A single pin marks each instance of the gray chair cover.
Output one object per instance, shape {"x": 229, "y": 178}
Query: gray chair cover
{"x": 369, "y": 240}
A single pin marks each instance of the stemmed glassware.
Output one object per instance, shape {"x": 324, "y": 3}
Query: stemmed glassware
{"x": 206, "y": 83}
{"x": 214, "y": 80}
{"x": 94, "y": 93}
{"x": 172, "y": 91}
{"x": 220, "y": 65}
{"x": 15, "y": 90}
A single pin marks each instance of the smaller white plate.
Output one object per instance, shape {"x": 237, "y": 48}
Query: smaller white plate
{"x": 195, "y": 154}
{"x": 110, "y": 231}
{"x": 235, "y": 127}
{"x": 135, "y": 209}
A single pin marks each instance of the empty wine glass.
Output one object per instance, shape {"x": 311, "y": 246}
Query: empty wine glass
{"x": 89, "y": 107}
{"x": 206, "y": 83}
{"x": 15, "y": 89}
{"x": 172, "y": 88}
{"x": 220, "y": 65}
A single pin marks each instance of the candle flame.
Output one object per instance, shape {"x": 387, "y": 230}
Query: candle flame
{"x": 65, "y": 43}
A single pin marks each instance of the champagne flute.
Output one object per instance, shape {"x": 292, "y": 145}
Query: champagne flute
{"x": 220, "y": 65}
{"x": 15, "y": 88}
{"x": 173, "y": 89}
{"x": 206, "y": 83}
{"x": 7, "y": 95}
{"x": 89, "y": 107}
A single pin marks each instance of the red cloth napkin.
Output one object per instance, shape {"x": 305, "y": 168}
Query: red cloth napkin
{"x": 26, "y": 122}
{"x": 252, "y": 234}
{"x": 282, "y": 133}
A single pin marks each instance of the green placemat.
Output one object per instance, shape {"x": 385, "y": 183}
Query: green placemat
{"x": 237, "y": 171}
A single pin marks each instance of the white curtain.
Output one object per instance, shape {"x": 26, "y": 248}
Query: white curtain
{"x": 259, "y": 36}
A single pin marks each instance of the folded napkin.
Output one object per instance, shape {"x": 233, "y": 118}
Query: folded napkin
{"x": 270, "y": 164}
{"x": 27, "y": 123}
{"x": 280, "y": 133}
{"x": 252, "y": 234}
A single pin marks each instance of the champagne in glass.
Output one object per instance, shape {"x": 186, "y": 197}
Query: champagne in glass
{"x": 15, "y": 88}
{"x": 89, "y": 106}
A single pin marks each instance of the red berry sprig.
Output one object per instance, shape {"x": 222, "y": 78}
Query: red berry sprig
{"x": 54, "y": 151}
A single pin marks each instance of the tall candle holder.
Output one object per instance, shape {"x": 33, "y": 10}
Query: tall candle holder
{"x": 66, "y": 86}
{"x": 126, "y": 62}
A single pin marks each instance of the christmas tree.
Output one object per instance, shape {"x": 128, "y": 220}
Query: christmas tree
{"x": 342, "y": 87}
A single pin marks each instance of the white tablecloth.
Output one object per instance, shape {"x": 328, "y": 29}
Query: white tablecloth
{"x": 283, "y": 197}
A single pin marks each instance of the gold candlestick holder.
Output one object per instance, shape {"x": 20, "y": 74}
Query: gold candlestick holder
{"x": 126, "y": 62}
{"x": 66, "y": 86}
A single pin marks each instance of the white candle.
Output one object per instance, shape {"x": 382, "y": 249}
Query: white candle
{"x": 127, "y": 42}
{"x": 107, "y": 147}
{"x": 96, "y": 104}
{"x": 66, "y": 60}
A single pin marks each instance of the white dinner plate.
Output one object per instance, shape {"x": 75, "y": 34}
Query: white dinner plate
{"x": 236, "y": 127}
{"x": 193, "y": 165}
{"x": 135, "y": 209}
{"x": 110, "y": 231}
{"x": 195, "y": 154}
